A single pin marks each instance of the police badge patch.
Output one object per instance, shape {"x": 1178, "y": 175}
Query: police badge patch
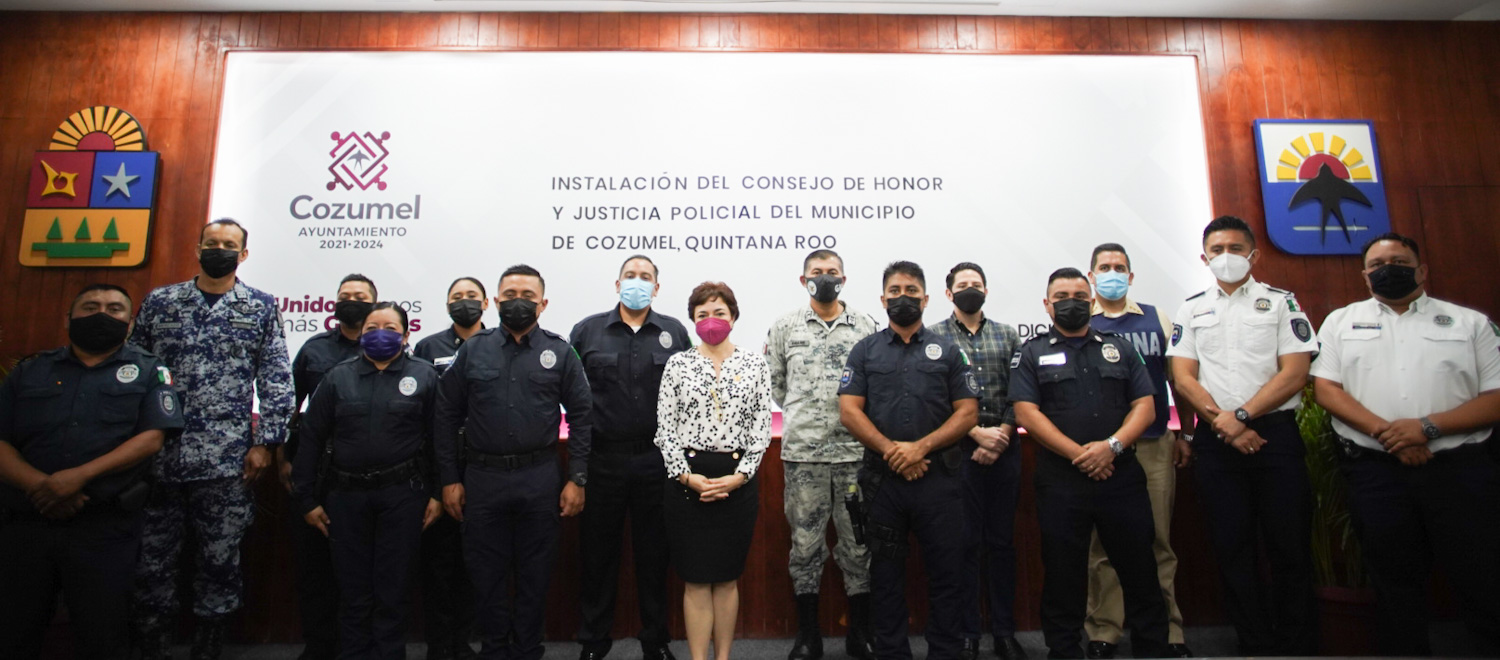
{"x": 549, "y": 359}
{"x": 665, "y": 339}
{"x": 1263, "y": 304}
{"x": 848, "y": 375}
{"x": 1443, "y": 320}
{"x": 1302, "y": 329}
{"x": 934, "y": 351}
{"x": 1111, "y": 354}
{"x": 1015, "y": 360}
{"x": 973, "y": 383}
{"x": 1176, "y": 333}
{"x": 168, "y": 402}
{"x": 407, "y": 386}
{"x": 127, "y": 373}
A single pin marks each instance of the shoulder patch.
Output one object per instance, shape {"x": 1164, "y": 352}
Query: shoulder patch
{"x": 1291, "y": 303}
{"x": 1176, "y": 333}
{"x": 168, "y": 402}
{"x": 1495, "y": 328}
{"x": 848, "y": 375}
{"x": 163, "y": 375}
{"x": 1302, "y": 329}
{"x": 1015, "y": 360}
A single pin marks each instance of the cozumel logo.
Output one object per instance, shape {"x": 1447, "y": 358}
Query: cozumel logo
{"x": 1321, "y": 185}
{"x": 91, "y": 194}
{"x": 358, "y": 160}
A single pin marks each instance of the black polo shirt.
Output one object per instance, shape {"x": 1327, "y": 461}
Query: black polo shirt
{"x": 314, "y": 360}
{"x": 1083, "y": 386}
{"x": 506, "y": 395}
{"x": 909, "y": 387}
{"x": 374, "y": 418}
{"x": 440, "y": 348}
{"x": 624, "y": 367}
{"x": 60, "y": 414}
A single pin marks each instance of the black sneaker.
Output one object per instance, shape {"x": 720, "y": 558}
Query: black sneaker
{"x": 1007, "y": 648}
{"x": 1179, "y": 651}
{"x": 1101, "y": 650}
{"x": 969, "y": 650}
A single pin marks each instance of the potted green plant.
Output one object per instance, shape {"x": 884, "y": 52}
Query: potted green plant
{"x": 1346, "y": 603}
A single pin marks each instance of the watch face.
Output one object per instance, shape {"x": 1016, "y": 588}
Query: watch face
{"x": 1431, "y": 432}
{"x": 1241, "y": 415}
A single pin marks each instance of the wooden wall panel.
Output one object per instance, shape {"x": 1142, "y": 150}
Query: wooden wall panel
{"x": 1433, "y": 90}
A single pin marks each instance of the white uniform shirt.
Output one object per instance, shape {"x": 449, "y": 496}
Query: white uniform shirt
{"x": 1434, "y": 358}
{"x": 1237, "y": 338}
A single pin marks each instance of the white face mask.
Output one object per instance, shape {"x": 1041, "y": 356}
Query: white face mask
{"x": 1229, "y": 268}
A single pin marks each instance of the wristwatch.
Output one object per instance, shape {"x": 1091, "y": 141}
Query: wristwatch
{"x": 1116, "y": 446}
{"x": 581, "y": 479}
{"x": 1242, "y": 415}
{"x": 1430, "y": 430}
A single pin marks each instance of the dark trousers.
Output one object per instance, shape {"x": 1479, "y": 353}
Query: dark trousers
{"x": 621, "y": 484}
{"x": 510, "y": 538}
{"x": 1262, "y": 498}
{"x": 317, "y": 587}
{"x": 374, "y": 535}
{"x": 930, "y": 509}
{"x": 447, "y": 593}
{"x": 1448, "y": 510}
{"x": 990, "y": 494}
{"x": 91, "y": 560}
{"x": 1070, "y": 507}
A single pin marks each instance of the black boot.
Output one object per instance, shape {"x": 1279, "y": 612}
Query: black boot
{"x": 860, "y": 642}
{"x": 809, "y": 644}
{"x": 208, "y": 639}
{"x": 153, "y": 639}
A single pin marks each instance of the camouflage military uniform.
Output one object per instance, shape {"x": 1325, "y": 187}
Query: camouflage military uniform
{"x": 221, "y": 357}
{"x": 822, "y": 459}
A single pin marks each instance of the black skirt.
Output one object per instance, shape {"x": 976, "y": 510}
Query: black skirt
{"x": 710, "y": 540}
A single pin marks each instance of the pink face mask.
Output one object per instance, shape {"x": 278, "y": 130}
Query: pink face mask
{"x": 713, "y": 331}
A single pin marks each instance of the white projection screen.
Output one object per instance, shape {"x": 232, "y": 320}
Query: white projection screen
{"x": 416, "y": 168}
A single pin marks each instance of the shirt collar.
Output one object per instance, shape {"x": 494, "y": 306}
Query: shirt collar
{"x": 959, "y": 325}
{"x": 525, "y": 339}
{"x": 1130, "y": 308}
{"x": 120, "y": 355}
{"x": 1055, "y": 336}
{"x": 365, "y": 367}
{"x": 915, "y": 336}
{"x": 1244, "y": 289}
{"x": 652, "y": 317}
{"x": 1421, "y": 305}
{"x": 844, "y": 317}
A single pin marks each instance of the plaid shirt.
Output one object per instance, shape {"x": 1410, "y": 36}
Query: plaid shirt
{"x": 990, "y": 350}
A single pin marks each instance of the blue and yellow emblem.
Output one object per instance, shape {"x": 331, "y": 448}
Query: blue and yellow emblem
{"x": 1321, "y": 183}
{"x": 92, "y": 193}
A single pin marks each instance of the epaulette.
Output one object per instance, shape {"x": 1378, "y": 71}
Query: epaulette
{"x": 1032, "y": 339}
{"x": 1283, "y": 292}
{"x": 1197, "y": 295}
{"x": 552, "y": 334}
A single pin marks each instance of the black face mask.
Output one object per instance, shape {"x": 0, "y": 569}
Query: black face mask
{"x": 351, "y": 313}
{"x": 218, "y": 263}
{"x": 825, "y": 288}
{"x": 97, "y": 333}
{"x": 1071, "y": 315}
{"x": 465, "y": 312}
{"x": 904, "y": 310}
{"x": 1393, "y": 282}
{"x": 969, "y": 300}
{"x": 517, "y": 314}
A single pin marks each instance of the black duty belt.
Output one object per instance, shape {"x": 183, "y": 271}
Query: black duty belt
{"x": 1357, "y": 452}
{"x": 513, "y": 461}
{"x": 375, "y": 479}
{"x": 629, "y": 447}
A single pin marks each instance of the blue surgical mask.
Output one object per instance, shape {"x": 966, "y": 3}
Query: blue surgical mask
{"x": 381, "y": 345}
{"x": 1112, "y": 285}
{"x": 635, "y": 293}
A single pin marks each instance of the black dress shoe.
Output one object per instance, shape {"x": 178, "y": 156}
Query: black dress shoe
{"x": 970, "y": 650}
{"x": 592, "y": 654}
{"x": 1007, "y": 648}
{"x": 1179, "y": 651}
{"x": 1101, "y": 650}
{"x": 658, "y": 653}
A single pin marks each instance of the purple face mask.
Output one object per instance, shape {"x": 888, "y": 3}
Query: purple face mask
{"x": 381, "y": 345}
{"x": 713, "y": 331}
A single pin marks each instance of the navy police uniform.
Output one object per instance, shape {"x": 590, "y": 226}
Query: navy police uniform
{"x": 505, "y": 393}
{"x": 447, "y": 593}
{"x": 366, "y": 461}
{"x": 1085, "y": 386}
{"x": 317, "y": 589}
{"x": 909, "y": 390}
{"x": 624, "y": 367}
{"x": 59, "y": 414}
{"x": 225, "y": 351}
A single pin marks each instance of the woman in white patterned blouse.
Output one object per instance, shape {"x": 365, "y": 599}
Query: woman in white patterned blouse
{"x": 713, "y": 427}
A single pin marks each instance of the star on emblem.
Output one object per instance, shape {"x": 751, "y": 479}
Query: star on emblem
{"x": 120, "y": 181}
{"x": 52, "y": 177}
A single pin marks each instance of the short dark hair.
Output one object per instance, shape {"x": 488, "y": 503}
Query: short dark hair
{"x": 244, "y": 233}
{"x": 1111, "y": 247}
{"x": 1229, "y": 223}
{"x": 655, "y": 272}
{"x": 710, "y": 291}
{"x": 963, "y": 266}
{"x": 475, "y": 280}
{"x": 98, "y": 286}
{"x": 903, "y": 268}
{"x": 523, "y": 269}
{"x": 821, "y": 254}
{"x": 1066, "y": 273}
{"x": 387, "y": 304}
{"x": 356, "y": 277}
{"x": 1391, "y": 236}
